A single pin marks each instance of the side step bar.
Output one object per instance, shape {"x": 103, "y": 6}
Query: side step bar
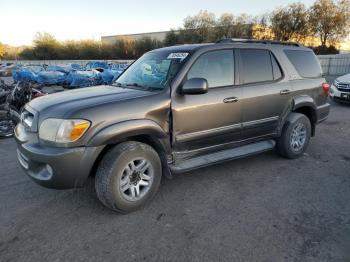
{"x": 222, "y": 156}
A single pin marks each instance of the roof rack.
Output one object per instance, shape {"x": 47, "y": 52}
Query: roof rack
{"x": 253, "y": 41}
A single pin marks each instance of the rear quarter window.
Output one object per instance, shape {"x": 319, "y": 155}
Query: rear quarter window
{"x": 305, "y": 62}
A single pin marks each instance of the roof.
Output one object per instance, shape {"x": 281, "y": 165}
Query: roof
{"x": 183, "y": 48}
{"x": 241, "y": 42}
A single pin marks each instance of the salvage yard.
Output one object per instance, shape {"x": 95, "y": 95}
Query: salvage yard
{"x": 262, "y": 208}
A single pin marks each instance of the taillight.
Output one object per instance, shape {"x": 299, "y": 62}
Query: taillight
{"x": 325, "y": 88}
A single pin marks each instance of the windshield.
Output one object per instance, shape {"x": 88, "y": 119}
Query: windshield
{"x": 153, "y": 70}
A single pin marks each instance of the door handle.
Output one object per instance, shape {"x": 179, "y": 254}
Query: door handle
{"x": 231, "y": 100}
{"x": 285, "y": 92}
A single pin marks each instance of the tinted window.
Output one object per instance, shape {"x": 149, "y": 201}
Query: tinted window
{"x": 217, "y": 67}
{"x": 256, "y": 66}
{"x": 305, "y": 62}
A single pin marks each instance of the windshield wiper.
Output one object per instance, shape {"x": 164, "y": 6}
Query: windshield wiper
{"x": 135, "y": 84}
{"x": 118, "y": 84}
{"x": 146, "y": 88}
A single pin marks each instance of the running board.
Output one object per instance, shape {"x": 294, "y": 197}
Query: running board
{"x": 222, "y": 156}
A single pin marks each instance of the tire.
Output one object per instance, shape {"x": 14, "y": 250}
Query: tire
{"x": 289, "y": 144}
{"x": 116, "y": 183}
{"x": 8, "y": 121}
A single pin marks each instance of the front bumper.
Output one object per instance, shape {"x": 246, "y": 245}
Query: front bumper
{"x": 54, "y": 167}
{"x": 336, "y": 95}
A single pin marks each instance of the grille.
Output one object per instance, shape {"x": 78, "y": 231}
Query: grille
{"x": 345, "y": 87}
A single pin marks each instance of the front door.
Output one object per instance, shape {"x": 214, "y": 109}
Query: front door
{"x": 208, "y": 120}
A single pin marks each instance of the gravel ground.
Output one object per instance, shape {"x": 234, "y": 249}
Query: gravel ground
{"x": 262, "y": 208}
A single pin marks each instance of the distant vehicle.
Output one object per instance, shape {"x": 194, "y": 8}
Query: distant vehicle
{"x": 6, "y": 69}
{"x": 340, "y": 89}
{"x": 12, "y": 100}
{"x": 173, "y": 110}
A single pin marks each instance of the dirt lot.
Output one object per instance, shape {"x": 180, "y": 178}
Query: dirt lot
{"x": 263, "y": 208}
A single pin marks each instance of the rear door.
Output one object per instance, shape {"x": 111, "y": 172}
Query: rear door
{"x": 265, "y": 92}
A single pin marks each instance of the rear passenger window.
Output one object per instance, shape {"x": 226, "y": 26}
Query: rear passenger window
{"x": 217, "y": 67}
{"x": 305, "y": 62}
{"x": 256, "y": 66}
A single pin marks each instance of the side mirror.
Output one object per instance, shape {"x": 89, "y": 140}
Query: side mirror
{"x": 195, "y": 86}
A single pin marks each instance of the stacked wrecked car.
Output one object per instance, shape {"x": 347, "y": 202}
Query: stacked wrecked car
{"x": 69, "y": 75}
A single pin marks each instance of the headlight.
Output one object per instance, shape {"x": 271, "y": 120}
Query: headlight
{"x": 335, "y": 83}
{"x": 63, "y": 131}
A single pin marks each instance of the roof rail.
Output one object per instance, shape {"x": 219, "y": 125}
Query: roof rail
{"x": 253, "y": 41}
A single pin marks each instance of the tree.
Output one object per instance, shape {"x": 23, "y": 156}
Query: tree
{"x": 2, "y": 50}
{"x": 199, "y": 28}
{"x": 89, "y": 49}
{"x": 69, "y": 50}
{"x": 45, "y": 46}
{"x": 28, "y": 54}
{"x": 290, "y": 22}
{"x": 124, "y": 48}
{"x": 145, "y": 44}
{"x": 171, "y": 38}
{"x": 330, "y": 20}
{"x": 242, "y": 27}
{"x": 225, "y": 26}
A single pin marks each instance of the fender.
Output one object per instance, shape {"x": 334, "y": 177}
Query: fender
{"x": 303, "y": 101}
{"x": 119, "y": 131}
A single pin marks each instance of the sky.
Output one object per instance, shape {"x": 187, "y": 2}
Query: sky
{"x": 90, "y": 19}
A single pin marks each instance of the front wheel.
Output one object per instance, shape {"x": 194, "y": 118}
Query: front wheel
{"x": 8, "y": 122}
{"x": 128, "y": 176}
{"x": 295, "y": 136}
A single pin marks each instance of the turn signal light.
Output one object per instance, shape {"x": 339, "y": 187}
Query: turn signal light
{"x": 78, "y": 130}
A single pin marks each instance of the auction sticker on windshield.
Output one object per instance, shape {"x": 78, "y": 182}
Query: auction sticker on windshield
{"x": 181, "y": 56}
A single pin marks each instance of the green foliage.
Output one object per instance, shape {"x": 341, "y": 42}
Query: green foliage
{"x": 2, "y": 50}
{"x": 330, "y": 20}
{"x": 290, "y": 22}
{"x": 46, "y": 46}
{"x": 171, "y": 38}
{"x": 199, "y": 28}
{"x": 325, "y": 50}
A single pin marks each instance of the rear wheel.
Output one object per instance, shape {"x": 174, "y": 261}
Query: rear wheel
{"x": 128, "y": 176}
{"x": 295, "y": 136}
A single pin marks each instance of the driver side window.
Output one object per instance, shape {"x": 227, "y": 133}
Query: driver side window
{"x": 217, "y": 67}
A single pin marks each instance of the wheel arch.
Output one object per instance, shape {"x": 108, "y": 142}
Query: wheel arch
{"x": 306, "y": 105}
{"x": 144, "y": 131}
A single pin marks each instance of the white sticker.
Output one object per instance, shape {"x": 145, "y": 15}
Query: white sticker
{"x": 181, "y": 56}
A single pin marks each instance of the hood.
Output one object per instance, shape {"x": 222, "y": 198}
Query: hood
{"x": 344, "y": 79}
{"x": 69, "y": 101}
